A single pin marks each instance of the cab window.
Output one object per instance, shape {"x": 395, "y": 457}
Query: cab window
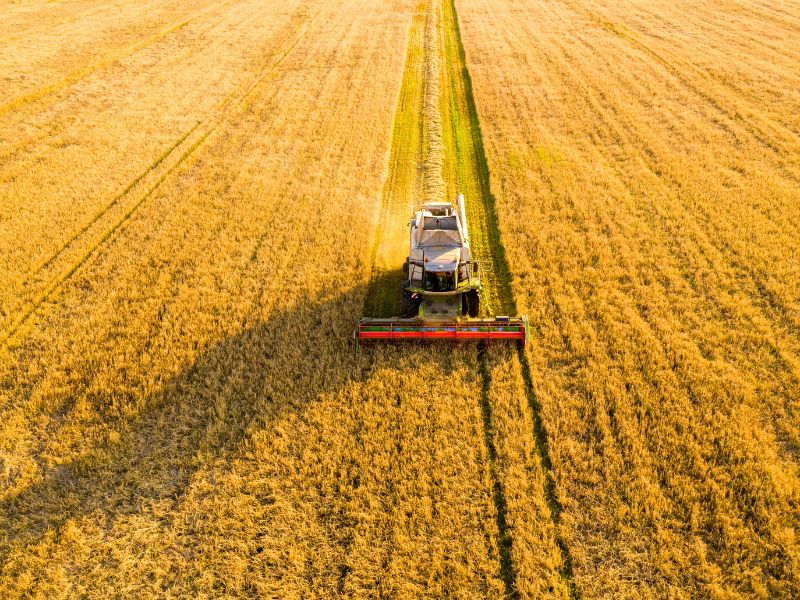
{"x": 463, "y": 272}
{"x": 437, "y": 281}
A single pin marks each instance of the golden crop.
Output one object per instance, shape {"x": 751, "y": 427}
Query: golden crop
{"x": 644, "y": 159}
{"x": 198, "y": 199}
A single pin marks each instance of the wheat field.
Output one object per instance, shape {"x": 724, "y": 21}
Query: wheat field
{"x": 644, "y": 158}
{"x": 199, "y": 198}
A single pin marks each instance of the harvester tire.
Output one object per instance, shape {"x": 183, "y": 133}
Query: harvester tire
{"x": 473, "y": 302}
{"x": 409, "y": 306}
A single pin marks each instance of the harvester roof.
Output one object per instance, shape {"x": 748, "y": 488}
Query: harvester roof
{"x": 440, "y": 231}
{"x": 442, "y": 258}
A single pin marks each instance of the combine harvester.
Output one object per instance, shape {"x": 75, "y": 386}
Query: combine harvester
{"x": 441, "y": 291}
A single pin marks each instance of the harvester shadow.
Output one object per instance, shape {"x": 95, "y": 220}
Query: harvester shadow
{"x": 199, "y": 417}
{"x": 383, "y": 294}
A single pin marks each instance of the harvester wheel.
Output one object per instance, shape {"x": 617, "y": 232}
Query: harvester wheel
{"x": 409, "y": 305}
{"x": 473, "y": 302}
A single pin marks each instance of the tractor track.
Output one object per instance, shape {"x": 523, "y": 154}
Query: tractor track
{"x": 504, "y": 539}
{"x": 68, "y": 19}
{"x": 56, "y": 284}
{"x": 751, "y": 283}
{"x": 683, "y": 71}
{"x": 201, "y": 29}
{"x": 464, "y": 168}
{"x": 241, "y": 97}
{"x": 469, "y": 170}
{"x": 105, "y": 61}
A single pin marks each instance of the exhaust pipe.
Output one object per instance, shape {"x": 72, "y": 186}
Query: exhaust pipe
{"x": 462, "y": 216}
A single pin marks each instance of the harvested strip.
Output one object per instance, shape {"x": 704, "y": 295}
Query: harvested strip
{"x": 433, "y": 148}
{"x": 441, "y": 455}
{"x": 545, "y": 567}
{"x": 404, "y": 181}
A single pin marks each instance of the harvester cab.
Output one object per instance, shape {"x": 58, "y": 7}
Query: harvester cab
{"x": 440, "y": 292}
